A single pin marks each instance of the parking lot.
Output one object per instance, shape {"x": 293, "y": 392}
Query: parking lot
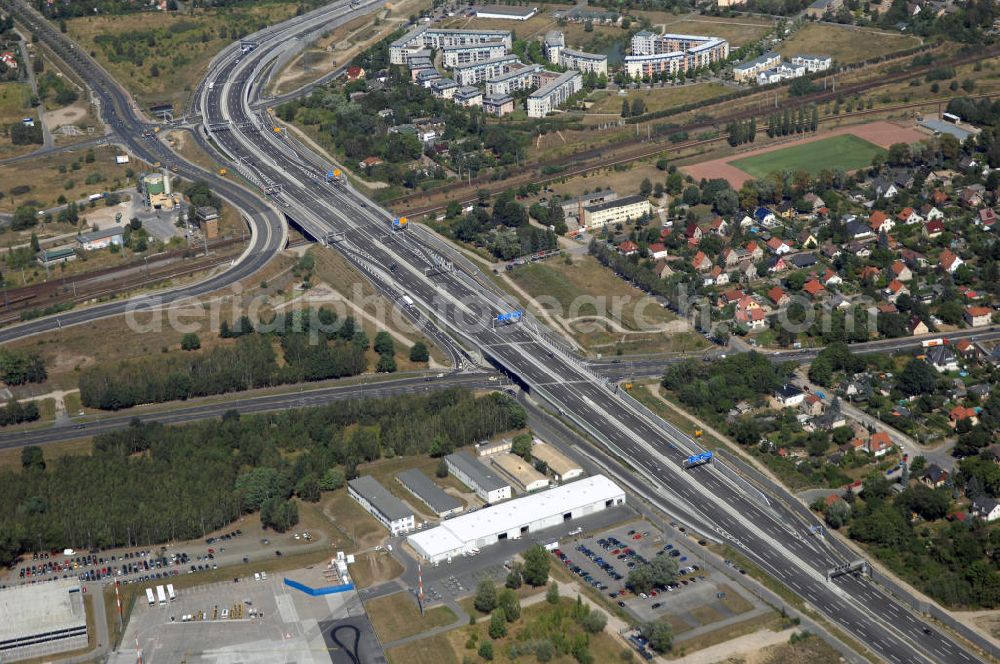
{"x": 123, "y": 565}
{"x": 143, "y": 564}
{"x": 605, "y": 560}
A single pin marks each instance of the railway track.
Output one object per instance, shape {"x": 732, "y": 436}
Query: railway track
{"x": 592, "y": 160}
{"x": 104, "y": 283}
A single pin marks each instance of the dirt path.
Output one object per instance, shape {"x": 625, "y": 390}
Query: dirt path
{"x": 556, "y": 323}
{"x": 742, "y": 646}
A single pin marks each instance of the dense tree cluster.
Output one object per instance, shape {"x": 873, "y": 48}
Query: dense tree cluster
{"x": 835, "y": 357}
{"x": 740, "y": 132}
{"x": 714, "y": 387}
{"x": 358, "y": 130}
{"x": 18, "y": 367}
{"x": 659, "y": 571}
{"x": 15, "y": 413}
{"x": 505, "y": 231}
{"x": 150, "y": 483}
{"x": 954, "y": 562}
{"x": 332, "y": 351}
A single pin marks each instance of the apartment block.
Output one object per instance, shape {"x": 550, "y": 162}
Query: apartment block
{"x": 551, "y": 95}
{"x": 585, "y": 62}
{"x": 453, "y": 56}
{"x": 480, "y": 72}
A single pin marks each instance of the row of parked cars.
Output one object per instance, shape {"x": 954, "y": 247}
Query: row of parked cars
{"x": 225, "y": 538}
{"x": 55, "y": 566}
{"x": 579, "y": 571}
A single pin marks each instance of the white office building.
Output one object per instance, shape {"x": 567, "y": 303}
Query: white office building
{"x": 516, "y": 518}
{"x": 550, "y": 96}
{"x": 377, "y": 501}
{"x": 473, "y": 474}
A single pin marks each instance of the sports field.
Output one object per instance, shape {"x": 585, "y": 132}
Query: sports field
{"x": 846, "y": 151}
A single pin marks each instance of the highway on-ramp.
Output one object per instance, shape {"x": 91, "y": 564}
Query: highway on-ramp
{"x": 267, "y": 225}
{"x": 765, "y": 524}
{"x": 718, "y": 500}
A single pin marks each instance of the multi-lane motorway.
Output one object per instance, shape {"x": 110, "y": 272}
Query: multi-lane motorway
{"x": 764, "y": 523}
{"x": 267, "y": 225}
{"x": 765, "y": 527}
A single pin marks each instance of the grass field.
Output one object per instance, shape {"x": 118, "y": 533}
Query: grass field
{"x": 845, "y": 151}
{"x": 812, "y": 650}
{"x": 737, "y": 31}
{"x": 536, "y": 622}
{"x": 844, "y": 44}
{"x": 14, "y": 105}
{"x": 658, "y": 99}
{"x": 53, "y": 175}
{"x": 432, "y": 650}
{"x": 586, "y": 288}
{"x": 397, "y": 616}
{"x": 160, "y": 57}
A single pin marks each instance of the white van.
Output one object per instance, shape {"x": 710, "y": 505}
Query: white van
{"x": 256, "y": 576}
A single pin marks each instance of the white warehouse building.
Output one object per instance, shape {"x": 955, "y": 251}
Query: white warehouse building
{"x": 377, "y": 501}
{"x": 516, "y": 518}
{"x": 473, "y": 474}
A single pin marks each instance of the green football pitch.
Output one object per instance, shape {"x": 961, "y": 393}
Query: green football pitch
{"x": 845, "y": 151}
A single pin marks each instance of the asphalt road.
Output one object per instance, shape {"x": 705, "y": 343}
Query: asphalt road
{"x": 619, "y": 368}
{"x": 451, "y": 294}
{"x": 267, "y": 226}
{"x": 716, "y": 499}
{"x": 305, "y": 397}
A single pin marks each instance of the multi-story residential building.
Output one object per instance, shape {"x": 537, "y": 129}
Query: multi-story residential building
{"x": 585, "y": 62}
{"x": 654, "y": 54}
{"x": 553, "y": 43}
{"x": 479, "y": 72}
{"x": 444, "y": 87}
{"x": 453, "y": 56}
{"x": 438, "y": 38}
{"x": 552, "y": 94}
{"x": 498, "y": 105}
{"x": 615, "y": 211}
{"x": 654, "y": 64}
{"x": 813, "y": 63}
{"x": 468, "y": 96}
{"x": 514, "y": 80}
{"x": 747, "y": 71}
{"x": 780, "y": 73}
